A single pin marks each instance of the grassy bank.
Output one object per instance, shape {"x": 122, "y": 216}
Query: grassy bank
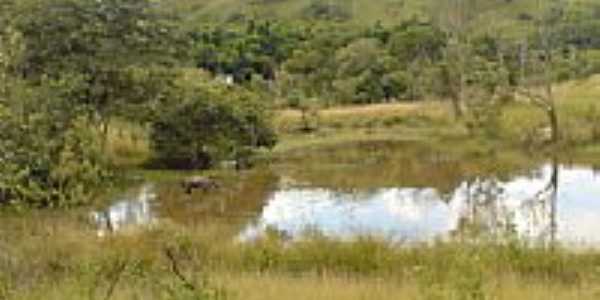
{"x": 512, "y": 126}
{"x": 336, "y": 287}
{"x": 51, "y": 257}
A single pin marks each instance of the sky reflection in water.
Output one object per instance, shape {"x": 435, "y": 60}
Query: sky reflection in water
{"x": 523, "y": 205}
{"x": 131, "y": 210}
{"x": 532, "y": 206}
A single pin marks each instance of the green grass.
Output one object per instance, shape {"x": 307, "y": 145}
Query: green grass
{"x": 578, "y": 111}
{"x": 52, "y": 256}
{"x": 492, "y": 16}
{"x": 383, "y": 122}
{"x": 128, "y": 144}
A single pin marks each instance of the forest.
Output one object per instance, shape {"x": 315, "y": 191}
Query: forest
{"x": 95, "y": 95}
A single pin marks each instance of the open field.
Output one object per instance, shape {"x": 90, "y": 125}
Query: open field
{"x": 516, "y": 124}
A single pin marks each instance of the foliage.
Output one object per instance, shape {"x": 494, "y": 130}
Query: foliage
{"x": 70, "y": 64}
{"x": 44, "y": 162}
{"x": 208, "y": 123}
{"x": 320, "y": 10}
{"x": 96, "y": 41}
{"x": 340, "y": 62}
{"x": 49, "y": 155}
{"x": 67, "y": 67}
{"x": 242, "y": 51}
{"x": 89, "y": 36}
{"x": 363, "y": 73}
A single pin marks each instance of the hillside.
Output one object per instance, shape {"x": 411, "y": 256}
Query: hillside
{"x": 486, "y": 14}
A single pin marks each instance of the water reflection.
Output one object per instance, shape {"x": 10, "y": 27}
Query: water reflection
{"x": 130, "y": 210}
{"x": 393, "y": 213}
{"x": 524, "y": 206}
{"x": 551, "y": 203}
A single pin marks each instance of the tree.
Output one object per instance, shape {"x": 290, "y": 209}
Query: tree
{"x": 311, "y": 70}
{"x": 45, "y": 158}
{"x": 258, "y": 48}
{"x": 207, "y": 122}
{"x": 97, "y": 42}
{"x": 65, "y": 65}
{"x": 419, "y": 47}
{"x": 540, "y": 63}
{"x": 456, "y": 18}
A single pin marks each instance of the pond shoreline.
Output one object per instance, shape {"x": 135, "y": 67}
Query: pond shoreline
{"x": 201, "y": 229}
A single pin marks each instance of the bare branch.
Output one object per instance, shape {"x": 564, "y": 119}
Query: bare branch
{"x": 117, "y": 277}
{"x": 175, "y": 269}
{"x": 535, "y": 99}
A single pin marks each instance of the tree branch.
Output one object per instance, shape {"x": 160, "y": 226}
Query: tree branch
{"x": 117, "y": 277}
{"x": 535, "y": 99}
{"x": 175, "y": 269}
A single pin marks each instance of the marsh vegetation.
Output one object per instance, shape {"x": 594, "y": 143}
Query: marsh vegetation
{"x": 228, "y": 149}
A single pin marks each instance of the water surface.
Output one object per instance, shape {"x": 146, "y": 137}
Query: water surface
{"x": 540, "y": 204}
{"x": 549, "y": 203}
{"x": 135, "y": 208}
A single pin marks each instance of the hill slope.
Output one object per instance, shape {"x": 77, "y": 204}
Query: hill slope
{"x": 490, "y": 13}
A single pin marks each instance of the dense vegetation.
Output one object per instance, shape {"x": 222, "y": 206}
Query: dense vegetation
{"x": 70, "y": 68}
{"x": 211, "y": 123}
{"x": 91, "y": 91}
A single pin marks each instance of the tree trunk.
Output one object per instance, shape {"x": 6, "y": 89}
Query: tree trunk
{"x": 103, "y": 126}
{"x": 551, "y": 110}
{"x": 553, "y": 205}
{"x": 457, "y": 106}
{"x": 554, "y": 127}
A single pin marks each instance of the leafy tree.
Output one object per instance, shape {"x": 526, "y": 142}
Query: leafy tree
{"x": 543, "y": 64}
{"x": 326, "y": 10}
{"x": 95, "y": 41}
{"x": 258, "y": 48}
{"x": 363, "y": 73}
{"x": 415, "y": 40}
{"x": 456, "y": 18}
{"x": 45, "y": 158}
{"x": 312, "y": 67}
{"x": 209, "y": 122}
{"x": 82, "y": 36}
{"x": 66, "y": 65}
{"x": 418, "y": 47}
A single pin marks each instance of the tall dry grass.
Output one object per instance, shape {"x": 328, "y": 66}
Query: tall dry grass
{"x": 47, "y": 255}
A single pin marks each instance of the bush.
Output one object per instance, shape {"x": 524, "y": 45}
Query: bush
{"x": 43, "y": 167}
{"x": 50, "y": 155}
{"x": 318, "y": 10}
{"x": 212, "y": 122}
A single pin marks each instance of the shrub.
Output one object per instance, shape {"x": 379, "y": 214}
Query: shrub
{"x": 41, "y": 166}
{"x": 318, "y": 10}
{"x": 211, "y": 122}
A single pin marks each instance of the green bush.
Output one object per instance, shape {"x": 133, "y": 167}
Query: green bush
{"x": 50, "y": 154}
{"x": 318, "y": 10}
{"x": 211, "y": 123}
{"x": 42, "y": 166}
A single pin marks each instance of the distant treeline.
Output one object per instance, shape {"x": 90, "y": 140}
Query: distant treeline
{"x": 345, "y": 63}
{"x": 206, "y": 92}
